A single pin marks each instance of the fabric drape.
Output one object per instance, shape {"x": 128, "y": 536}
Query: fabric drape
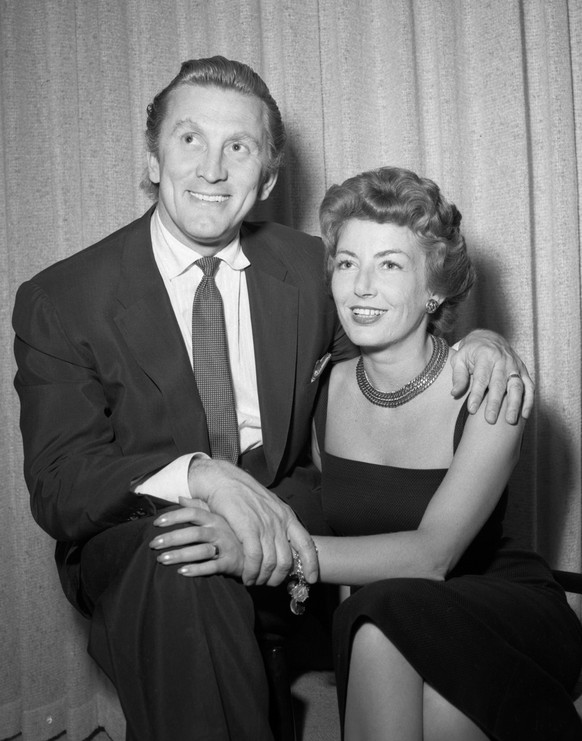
{"x": 485, "y": 98}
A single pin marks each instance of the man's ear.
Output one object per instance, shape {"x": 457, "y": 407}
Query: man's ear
{"x": 268, "y": 185}
{"x": 153, "y": 167}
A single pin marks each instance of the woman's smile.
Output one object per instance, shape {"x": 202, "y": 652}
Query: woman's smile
{"x": 366, "y": 314}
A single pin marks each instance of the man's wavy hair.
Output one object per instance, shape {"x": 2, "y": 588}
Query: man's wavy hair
{"x": 228, "y": 75}
{"x": 393, "y": 195}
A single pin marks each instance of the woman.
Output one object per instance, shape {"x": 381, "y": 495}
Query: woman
{"x": 452, "y": 633}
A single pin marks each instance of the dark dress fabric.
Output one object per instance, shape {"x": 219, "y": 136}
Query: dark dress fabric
{"x": 497, "y": 638}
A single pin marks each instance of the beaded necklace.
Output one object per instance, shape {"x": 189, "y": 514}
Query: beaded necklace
{"x": 412, "y": 388}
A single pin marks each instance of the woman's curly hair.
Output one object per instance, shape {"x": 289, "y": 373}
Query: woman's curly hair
{"x": 394, "y": 195}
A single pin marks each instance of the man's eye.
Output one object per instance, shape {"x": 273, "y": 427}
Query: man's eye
{"x": 238, "y": 147}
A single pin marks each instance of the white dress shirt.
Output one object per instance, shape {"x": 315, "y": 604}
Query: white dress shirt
{"x": 181, "y": 276}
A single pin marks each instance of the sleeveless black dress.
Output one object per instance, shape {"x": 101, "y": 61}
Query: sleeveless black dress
{"x": 497, "y": 638}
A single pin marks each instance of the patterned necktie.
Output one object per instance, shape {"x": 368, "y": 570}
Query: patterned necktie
{"x": 211, "y": 365}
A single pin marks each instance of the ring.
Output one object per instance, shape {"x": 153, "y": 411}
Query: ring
{"x": 513, "y": 375}
{"x": 216, "y": 551}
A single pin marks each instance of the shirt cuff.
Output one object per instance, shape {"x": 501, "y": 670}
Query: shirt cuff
{"x": 170, "y": 482}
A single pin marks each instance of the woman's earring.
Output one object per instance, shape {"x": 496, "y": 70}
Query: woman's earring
{"x": 431, "y": 306}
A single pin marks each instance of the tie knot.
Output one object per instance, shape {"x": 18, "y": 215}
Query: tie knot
{"x": 208, "y": 265}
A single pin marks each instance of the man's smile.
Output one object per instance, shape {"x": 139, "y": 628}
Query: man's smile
{"x": 208, "y": 197}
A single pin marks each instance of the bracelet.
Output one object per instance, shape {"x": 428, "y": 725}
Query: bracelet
{"x": 297, "y": 588}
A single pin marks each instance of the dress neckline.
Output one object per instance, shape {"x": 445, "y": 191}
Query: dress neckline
{"x": 320, "y": 418}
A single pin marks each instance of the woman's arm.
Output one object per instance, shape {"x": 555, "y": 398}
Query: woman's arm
{"x": 460, "y": 507}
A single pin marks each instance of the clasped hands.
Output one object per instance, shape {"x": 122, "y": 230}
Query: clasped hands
{"x": 234, "y": 526}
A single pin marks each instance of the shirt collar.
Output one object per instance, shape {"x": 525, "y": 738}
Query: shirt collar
{"x": 176, "y": 258}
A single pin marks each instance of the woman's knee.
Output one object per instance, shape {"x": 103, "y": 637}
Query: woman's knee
{"x": 369, "y": 634}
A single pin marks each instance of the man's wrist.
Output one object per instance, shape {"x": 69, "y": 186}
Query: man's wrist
{"x": 196, "y": 460}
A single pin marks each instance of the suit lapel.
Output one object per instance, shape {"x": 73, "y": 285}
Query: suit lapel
{"x": 148, "y": 324}
{"x": 274, "y": 313}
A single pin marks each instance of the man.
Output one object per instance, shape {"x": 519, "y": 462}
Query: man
{"x": 117, "y": 427}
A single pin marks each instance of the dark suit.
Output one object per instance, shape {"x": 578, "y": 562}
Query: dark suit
{"x": 108, "y": 395}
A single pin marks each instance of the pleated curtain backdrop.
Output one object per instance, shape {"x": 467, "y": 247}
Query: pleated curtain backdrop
{"x": 485, "y": 97}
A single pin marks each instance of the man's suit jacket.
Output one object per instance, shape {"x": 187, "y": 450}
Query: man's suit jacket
{"x": 106, "y": 385}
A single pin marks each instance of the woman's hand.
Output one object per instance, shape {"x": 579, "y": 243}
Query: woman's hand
{"x": 496, "y": 370}
{"x": 209, "y": 546}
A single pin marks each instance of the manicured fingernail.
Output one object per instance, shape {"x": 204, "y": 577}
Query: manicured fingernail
{"x": 160, "y": 520}
{"x": 165, "y": 558}
{"x": 157, "y": 542}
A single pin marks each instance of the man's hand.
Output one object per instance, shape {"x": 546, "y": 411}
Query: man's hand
{"x": 265, "y": 526}
{"x": 209, "y": 546}
{"x": 494, "y": 368}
